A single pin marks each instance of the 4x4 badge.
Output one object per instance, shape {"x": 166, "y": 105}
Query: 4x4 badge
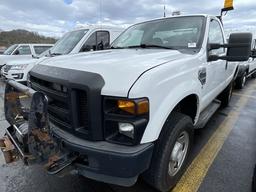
{"x": 202, "y": 75}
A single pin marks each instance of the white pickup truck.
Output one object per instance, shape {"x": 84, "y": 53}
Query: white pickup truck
{"x": 22, "y": 52}
{"x": 131, "y": 110}
{"x": 90, "y": 38}
{"x": 245, "y": 70}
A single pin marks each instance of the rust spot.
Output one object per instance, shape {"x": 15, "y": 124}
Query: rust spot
{"x": 41, "y": 135}
{"x": 8, "y": 150}
{"x": 13, "y": 96}
{"x": 52, "y": 160}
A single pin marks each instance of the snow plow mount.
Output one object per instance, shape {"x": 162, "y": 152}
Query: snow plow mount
{"x": 29, "y": 134}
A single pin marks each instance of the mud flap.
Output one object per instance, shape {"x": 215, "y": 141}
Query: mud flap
{"x": 30, "y": 133}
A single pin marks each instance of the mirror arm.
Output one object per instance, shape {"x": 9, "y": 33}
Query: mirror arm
{"x": 217, "y": 46}
{"x": 216, "y": 57}
{"x": 233, "y": 45}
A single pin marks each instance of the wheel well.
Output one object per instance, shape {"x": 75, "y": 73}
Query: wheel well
{"x": 247, "y": 71}
{"x": 188, "y": 106}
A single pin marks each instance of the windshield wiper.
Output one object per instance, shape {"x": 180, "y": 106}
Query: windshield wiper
{"x": 35, "y": 56}
{"x": 117, "y": 47}
{"x": 149, "y": 46}
{"x": 55, "y": 54}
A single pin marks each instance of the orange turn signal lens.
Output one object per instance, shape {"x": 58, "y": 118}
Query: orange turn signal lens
{"x": 128, "y": 106}
{"x": 143, "y": 107}
{"x": 134, "y": 107}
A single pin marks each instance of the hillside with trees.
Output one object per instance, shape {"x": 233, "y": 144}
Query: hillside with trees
{"x": 8, "y": 38}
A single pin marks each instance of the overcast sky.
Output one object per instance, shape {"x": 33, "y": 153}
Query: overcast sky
{"x": 54, "y": 17}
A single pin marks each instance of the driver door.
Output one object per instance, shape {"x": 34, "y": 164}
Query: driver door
{"x": 214, "y": 70}
{"x": 218, "y": 68}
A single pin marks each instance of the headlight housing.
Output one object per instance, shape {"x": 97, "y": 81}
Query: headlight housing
{"x": 125, "y": 119}
{"x": 19, "y": 67}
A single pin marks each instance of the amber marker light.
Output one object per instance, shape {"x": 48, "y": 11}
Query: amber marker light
{"x": 135, "y": 107}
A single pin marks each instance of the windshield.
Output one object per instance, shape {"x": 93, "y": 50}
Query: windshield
{"x": 10, "y": 50}
{"x": 176, "y": 32}
{"x": 67, "y": 43}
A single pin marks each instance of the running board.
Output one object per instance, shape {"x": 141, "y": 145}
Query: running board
{"x": 207, "y": 114}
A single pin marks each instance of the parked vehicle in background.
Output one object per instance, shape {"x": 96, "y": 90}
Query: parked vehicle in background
{"x": 2, "y": 49}
{"x": 129, "y": 111}
{"x": 22, "y": 52}
{"x": 245, "y": 70}
{"x": 92, "y": 38}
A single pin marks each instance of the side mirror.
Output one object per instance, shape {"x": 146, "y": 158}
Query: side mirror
{"x": 17, "y": 52}
{"x": 239, "y": 48}
{"x": 100, "y": 46}
{"x": 253, "y": 53}
{"x": 35, "y": 56}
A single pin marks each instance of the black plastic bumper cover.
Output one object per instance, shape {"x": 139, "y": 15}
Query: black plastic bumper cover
{"x": 107, "y": 162}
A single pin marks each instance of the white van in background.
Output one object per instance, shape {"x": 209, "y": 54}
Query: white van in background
{"x": 91, "y": 38}
{"x": 22, "y": 52}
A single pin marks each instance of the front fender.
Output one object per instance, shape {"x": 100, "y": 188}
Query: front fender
{"x": 164, "y": 96}
{"x": 165, "y": 107}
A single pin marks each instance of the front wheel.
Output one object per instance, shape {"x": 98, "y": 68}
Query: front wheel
{"x": 171, "y": 151}
{"x": 240, "y": 82}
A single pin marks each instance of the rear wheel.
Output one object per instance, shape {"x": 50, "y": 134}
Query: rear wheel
{"x": 253, "y": 75}
{"x": 171, "y": 151}
{"x": 226, "y": 95}
{"x": 240, "y": 82}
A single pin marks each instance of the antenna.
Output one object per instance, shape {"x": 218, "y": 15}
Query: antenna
{"x": 100, "y": 13}
{"x": 164, "y": 9}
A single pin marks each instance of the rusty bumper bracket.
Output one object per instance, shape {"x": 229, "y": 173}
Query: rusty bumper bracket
{"x": 27, "y": 112}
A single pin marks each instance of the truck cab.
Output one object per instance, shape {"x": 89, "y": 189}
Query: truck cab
{"x": 22, "y": 52}
{"x": 91, "y": 38}
{"x": 131, "y": 110}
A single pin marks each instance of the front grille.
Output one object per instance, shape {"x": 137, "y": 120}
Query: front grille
{"x": 7, "y": 68}
{"x": 67, "y": 108}
{"x": 82, "y": 102}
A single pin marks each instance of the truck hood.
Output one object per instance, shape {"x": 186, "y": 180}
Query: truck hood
{"x": 26, "y": 61}
{"x": 119, "y": 68}
{"x": 4, "y": 59}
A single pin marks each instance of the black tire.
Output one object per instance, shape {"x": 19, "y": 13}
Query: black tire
{"x": 240, "y": 82}
{"x": 158, "y": 174}
{"x": 226, "y": 95}
{"x": 253, "y": 75}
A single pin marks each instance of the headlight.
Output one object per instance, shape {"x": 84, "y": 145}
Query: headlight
{"x": 19, "y": 67}
{"x": 125, "y": 119}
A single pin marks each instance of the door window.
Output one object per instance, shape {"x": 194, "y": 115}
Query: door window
{"x": 216, "y": 36}
{"x": 41, "y": 49}
{"x": 103, "y": 39}
{"x": 23, "y": 50}
{"x": 99, "y": 40}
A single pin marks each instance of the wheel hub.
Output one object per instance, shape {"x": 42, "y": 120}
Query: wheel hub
{"x": 244, "y": 80}
{"x": 178, "y": 153}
